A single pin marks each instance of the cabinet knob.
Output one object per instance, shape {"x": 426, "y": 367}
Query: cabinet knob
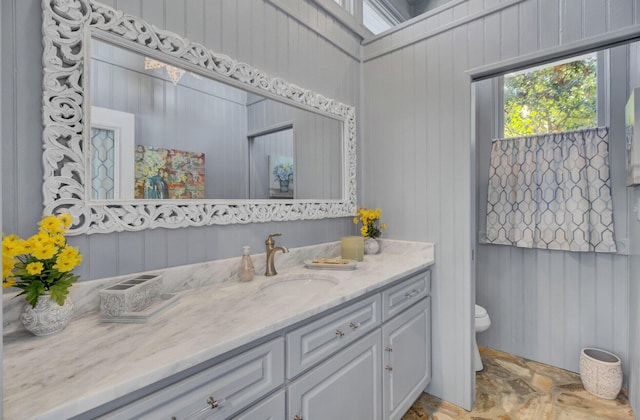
{"x": 354, "y": 325}
{"x": 213, "y": 403}
{"x": 339, "y": 333}
{"x": 389, "y": 368}
{"x": 297, "y": 417}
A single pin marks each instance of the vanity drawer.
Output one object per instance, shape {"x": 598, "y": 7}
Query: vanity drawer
{"x": 216, "y": 392}
{"x": 399, "y": 297}
{"x": 272, "y": 408}
{"x": 320, "y": 339}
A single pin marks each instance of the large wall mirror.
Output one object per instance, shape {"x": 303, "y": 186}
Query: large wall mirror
{"x": 145, "y": 129}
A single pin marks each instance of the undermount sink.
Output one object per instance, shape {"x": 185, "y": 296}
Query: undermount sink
{"x": 304, "y": 283}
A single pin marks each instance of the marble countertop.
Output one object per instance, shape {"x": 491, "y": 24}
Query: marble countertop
{"x": 91, "y": 363}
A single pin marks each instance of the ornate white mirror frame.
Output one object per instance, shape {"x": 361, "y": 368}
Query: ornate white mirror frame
{"x": 67, "y": 29}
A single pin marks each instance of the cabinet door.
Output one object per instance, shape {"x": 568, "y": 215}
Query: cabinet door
{"x": 347, "y": 386}
{"x": 271, "y": 408}
{"x": 406, "y": 341}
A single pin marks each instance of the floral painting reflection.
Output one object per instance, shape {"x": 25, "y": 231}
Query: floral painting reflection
{"x": 168, "y": 173}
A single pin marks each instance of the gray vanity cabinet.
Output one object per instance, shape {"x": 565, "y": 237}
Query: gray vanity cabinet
{"x": 407, "y": 358}
{"x": 216, "y": 392}
{"x": 347, "y": 386}
{"x": 368, "y": 360}
{"x": 377, "y": 376}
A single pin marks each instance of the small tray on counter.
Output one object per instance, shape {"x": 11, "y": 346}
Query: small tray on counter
{"x": 331, "y": 264}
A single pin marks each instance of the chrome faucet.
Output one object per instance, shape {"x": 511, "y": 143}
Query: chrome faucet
{"x": 271, "y": 250}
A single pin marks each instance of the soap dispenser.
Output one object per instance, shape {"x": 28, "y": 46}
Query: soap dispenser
{"x": 246, "y": 265}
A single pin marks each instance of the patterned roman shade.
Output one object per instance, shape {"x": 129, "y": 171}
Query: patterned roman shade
{"x": 552, "y": 191}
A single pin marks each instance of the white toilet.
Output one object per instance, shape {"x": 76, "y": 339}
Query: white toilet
{"x": 483, "y": 322}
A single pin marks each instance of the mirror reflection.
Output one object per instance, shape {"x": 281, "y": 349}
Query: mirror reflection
{"x": 159, "y": 132}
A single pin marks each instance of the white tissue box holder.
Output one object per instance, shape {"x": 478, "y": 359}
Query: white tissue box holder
{"x": 128, "y": 296}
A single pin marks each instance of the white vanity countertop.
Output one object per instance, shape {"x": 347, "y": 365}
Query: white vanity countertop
{"x": 91, "y": 363}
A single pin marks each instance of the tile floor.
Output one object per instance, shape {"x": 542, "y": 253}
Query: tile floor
{"x": 510, "y": 387}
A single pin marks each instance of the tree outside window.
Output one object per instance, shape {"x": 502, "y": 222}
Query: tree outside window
{"x": 559, "y": 97}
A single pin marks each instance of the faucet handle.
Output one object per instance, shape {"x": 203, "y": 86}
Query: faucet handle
{"x": 270, "y": 239}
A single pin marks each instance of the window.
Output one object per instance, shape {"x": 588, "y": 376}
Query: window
{"x": 348, "y": 5}
{"x": 377, "y": 16}
{"x": 561, "y": 96}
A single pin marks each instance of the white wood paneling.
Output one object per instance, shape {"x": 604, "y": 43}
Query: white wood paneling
{"x": 547, "y": 305}
{"x": 634, "y": 259}
{"x": 431, "y": 24}
{"x": 545, "y": 302}
{"x": 634, "y": 298}
{"x": 1, "y": 188}
{"x": 417, "y": 160}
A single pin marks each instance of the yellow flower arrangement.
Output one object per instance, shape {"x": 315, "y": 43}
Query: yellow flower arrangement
{"x": 370, "y": 219}
{"x": 41, "y": 263}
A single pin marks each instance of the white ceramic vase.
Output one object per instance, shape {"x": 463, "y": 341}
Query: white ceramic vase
{"x": 47, "y": 317}
{"x": 371, "y": 246}
{"x": 601, "y": 373}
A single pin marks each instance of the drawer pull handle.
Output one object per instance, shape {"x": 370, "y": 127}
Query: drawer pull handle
{"x": 389, "y": 368}
{"x": 339, "y": 333}
{"x": 355, "y": 325}
{"x": 297, "y": 417}
{"x": 213, "y": 403}
{"x": 388, "y": 348}
{"x": 412, "y": 293}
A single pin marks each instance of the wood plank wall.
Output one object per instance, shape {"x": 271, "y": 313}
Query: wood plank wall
{"x": 417, "y": 127}
{"x": 633, "y": 378}
{"x": 417, "y": 169}
{"x": 634, "y": 260}
{"x": 300, "y": 45}
{"x": 2, "y": 92}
